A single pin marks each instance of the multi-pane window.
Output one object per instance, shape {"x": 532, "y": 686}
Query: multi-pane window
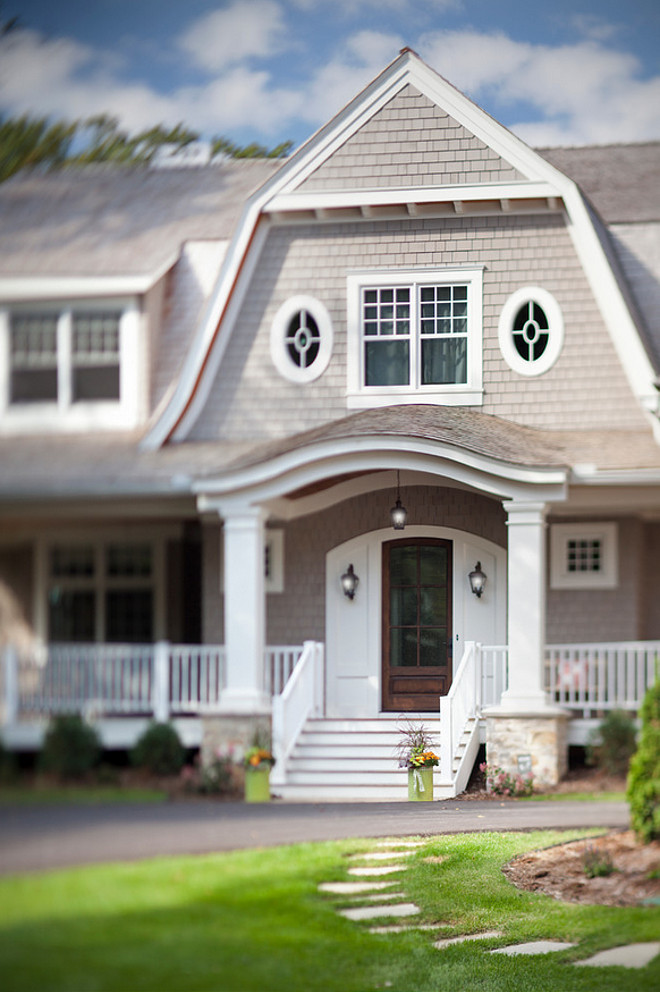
{"x": 584, "y": 556}
{"x": 415, "y": 332}
{"x": 415, "y": 336}
{"x": 101, "y": 592}
{"x": 64, "y": 358}
{"x": 531, "y": 331}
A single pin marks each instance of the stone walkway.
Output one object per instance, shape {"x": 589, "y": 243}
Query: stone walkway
{"x": 376, "y": 899}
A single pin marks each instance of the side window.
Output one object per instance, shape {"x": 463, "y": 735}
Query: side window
{"x": 583, "y": 556}
{"x": 301, "y": 339}
{"x": 531, "y": 331}
{"x": 415, "y": 337}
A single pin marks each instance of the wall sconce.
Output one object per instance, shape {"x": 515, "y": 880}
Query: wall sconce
{"x": 398, "y": 513}
{"x": 349, "y": 582}
{"x": 477, "y": 580}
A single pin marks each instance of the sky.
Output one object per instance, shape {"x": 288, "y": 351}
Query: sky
{"x": 563, "y": 72}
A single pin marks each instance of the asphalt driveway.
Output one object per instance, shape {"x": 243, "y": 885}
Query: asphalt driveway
{"x": 34, "y": 838}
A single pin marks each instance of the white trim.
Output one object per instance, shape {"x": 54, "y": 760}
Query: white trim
{"x": 279, "y": 352}
{"x": 25, "y": 289}
{"x": 548, "y": 303}
{"x": 359, "y": 395}
{"x": 607, "y": 577}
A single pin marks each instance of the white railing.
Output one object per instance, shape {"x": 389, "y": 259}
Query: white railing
{"x": 494, "y": 675}
{"x": 302, "y": 697}
{"x": 596, "y": 677}
{"x": 460, "y": 706}
{"x": 279, "y": 662}
{"x": 197, "y": 676}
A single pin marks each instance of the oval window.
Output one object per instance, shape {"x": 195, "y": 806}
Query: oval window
{"x": 531, "y": 331}
{"x": 301, "y": 339}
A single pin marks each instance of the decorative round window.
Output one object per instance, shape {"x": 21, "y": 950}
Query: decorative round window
{"x": 301, "y": 339}
{"x": 531, "y": 331}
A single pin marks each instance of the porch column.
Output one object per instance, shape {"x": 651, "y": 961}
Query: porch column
{"x": 526, "y": 606}
{"x": 245, "y": 610}
{"x": 526, "y": 733}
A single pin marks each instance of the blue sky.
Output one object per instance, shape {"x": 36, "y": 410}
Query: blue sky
{"x": 558, "y": 72}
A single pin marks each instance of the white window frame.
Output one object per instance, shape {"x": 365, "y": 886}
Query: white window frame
{"x": 552, "y": 310}
{"x": 63, "y": 414}
{"x": 469, "y": 393}
{"x": 98, "y": 539}
{"x": 607, "y": 577}
{"x": 278, "y": 344}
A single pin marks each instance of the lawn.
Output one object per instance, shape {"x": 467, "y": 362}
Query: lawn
{"x": 254, "y": 920}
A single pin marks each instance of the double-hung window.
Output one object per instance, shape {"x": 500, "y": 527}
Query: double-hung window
{"x": 72, "y": 366}
{"x": 415, "y": 337}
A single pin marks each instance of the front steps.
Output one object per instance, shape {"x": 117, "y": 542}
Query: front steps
{"x": 354, "y": 761}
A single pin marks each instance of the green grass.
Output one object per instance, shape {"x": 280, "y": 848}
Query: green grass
{"x": 73, "y": 795}
{"x": 254, "y": 920}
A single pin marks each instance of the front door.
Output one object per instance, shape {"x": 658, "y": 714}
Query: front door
{"x": 417, "y": 635}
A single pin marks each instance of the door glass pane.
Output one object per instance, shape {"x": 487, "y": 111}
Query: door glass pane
{"x": 403, "y": 647}
{"x": 403, "y": 607}
{"x": 71, "y": 615}
{"x": 403, "y": 566}
{"x": 433, "y": 566}
{"x": 433, "y": 606}
{"x": 433, "y": 647}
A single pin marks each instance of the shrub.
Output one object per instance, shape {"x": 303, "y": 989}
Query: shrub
{"x": 597, "y": 864}
{"x": 612, "y": 744}
{"x": 504, "y": 784}
{"x": 71, "y": 747}
{"x": 217, "y": 778}
{"x": 159, "y": 750}
{"x": 643, "y": 792}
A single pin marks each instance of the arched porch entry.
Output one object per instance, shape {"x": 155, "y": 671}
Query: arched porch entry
{"x": 395, "y": 646}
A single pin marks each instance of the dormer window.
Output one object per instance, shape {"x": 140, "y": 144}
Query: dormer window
{"x": 415, "y": 337}
{"x": 72, "y": 367}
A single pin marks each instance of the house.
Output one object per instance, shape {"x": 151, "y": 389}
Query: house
{"x": 216, "y": 384}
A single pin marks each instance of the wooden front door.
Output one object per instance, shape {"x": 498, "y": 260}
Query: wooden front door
{"x": 417, "y": 635}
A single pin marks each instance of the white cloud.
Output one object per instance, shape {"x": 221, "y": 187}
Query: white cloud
{"x": 579, "y": 93}
{"x": 243, "y": 30}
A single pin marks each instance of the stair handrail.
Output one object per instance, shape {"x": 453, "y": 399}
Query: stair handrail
{"x": 300, "y": 699}
{"x": 462, "y": 702}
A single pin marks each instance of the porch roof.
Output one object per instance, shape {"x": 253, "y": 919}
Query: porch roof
{"x": 112, "y": 465}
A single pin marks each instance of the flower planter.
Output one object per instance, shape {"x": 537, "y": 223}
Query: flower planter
{"x": 257, "y": 785}
{"x": 420, "y": 785}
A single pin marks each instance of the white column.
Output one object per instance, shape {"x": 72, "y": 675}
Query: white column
{"x": 526, "y": 607}
{"x": 245, "y": 610}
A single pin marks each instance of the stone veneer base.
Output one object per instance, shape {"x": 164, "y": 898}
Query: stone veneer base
{"x": 542, "y": 736}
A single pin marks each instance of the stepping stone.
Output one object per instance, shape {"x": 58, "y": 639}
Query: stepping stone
{"x": 353, "y": 888}
{"x": 487, "y": 935}
{"x": 383, "y": 855}
{"x": 628, "y": 956}
{"x": 407, "y": 927}
{"x": 374, "y": 912}
{"x": 375, "y": 872}
{"x": 534, "y": 947}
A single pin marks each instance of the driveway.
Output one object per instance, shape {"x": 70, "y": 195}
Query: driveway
{"x": 34, "y": 838}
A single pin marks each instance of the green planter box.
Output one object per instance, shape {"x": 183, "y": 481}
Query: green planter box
{"x": 257, "y": 785}
{"x": 420, "y": 785}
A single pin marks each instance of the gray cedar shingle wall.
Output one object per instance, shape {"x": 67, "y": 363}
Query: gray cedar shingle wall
{"x": 410, "y": 142}
{"x": 585, "y": 389}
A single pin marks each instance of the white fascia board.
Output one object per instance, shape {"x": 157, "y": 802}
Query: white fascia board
{"x": 309, "y": 464}
{"x": 414, "y": 194}
{"x": 44, "y": 288}
{"x": 611, "y": 302}
{"x": 592, "y": 476}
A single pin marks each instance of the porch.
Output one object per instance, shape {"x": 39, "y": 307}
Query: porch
{"x": 121, "y": 687}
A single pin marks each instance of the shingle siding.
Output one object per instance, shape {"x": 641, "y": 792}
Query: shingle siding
{"x": 585, "y": 389}
{"x": 410, "y": 142}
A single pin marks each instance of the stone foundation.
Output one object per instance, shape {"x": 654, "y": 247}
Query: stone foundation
{"x": 542, "y": 738}
{"x": 222, "y": 734}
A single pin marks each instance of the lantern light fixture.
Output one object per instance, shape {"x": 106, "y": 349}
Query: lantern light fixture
{"x": 477, "y": 580}
{"x": 398, "y": 513}
{"x": 349, "y": 582}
